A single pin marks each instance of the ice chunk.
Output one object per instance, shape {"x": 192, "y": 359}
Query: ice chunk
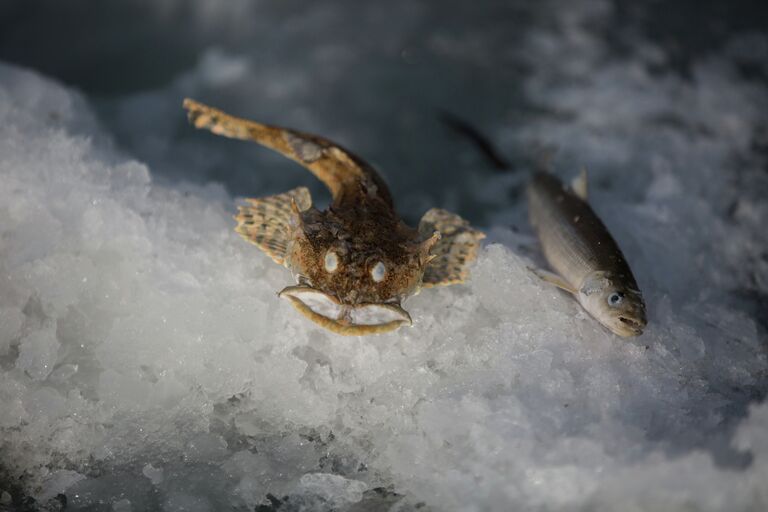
{"x": 37, "y": 353}
{"x": 179, "y": 502}
{"x": 58, "y": 482}
{"x": 337, "y": 491}
{"x": 11, "y": 320}
{"x": 123, "y": 505}
{"x": 154, "y": 474}
{"x": 205, "y": 447}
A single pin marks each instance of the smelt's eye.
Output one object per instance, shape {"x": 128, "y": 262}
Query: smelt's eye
{"x": 331, "y": 261}
{"x": 615, "y": 298}
{"x": 378, "y": 272}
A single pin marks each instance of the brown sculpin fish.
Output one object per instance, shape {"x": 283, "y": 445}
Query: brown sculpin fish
{"x": 355, "y": 262}
{"x": 588, "y": 262}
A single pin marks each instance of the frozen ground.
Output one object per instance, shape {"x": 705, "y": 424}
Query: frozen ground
{"x": 146, "y": 363}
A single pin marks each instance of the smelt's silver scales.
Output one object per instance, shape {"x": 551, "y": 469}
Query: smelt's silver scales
{"x": 586, "y": 260}
{"x": 574, "y": 240}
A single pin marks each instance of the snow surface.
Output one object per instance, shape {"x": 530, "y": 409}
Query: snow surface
{"x": 146, "y": 363}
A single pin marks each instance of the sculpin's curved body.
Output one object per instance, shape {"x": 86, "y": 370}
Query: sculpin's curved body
{"x": 355, "y": 262}
{"x": 588, "y": 262}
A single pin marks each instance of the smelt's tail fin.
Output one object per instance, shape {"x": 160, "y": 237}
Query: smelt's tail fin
{"x": 483, "y": 143}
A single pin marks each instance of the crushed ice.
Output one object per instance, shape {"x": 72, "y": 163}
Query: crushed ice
{"x": 146, "y": 363}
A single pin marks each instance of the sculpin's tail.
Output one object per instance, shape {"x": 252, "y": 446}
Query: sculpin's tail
{"x": 345, "y": 175}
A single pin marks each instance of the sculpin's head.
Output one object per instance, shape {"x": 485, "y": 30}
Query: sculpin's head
{"x": 353, "y": 273}
{"x": 615, "y": 302}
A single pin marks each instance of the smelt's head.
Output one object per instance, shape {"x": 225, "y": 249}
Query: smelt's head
{"x": 614, "y": 303}
{"x": 352, "y": 276}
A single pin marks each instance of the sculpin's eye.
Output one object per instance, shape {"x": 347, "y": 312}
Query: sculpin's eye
{"x": 331, "y": 261}
{"x": 378, "y": 272}
{"x": 615, "y": 298}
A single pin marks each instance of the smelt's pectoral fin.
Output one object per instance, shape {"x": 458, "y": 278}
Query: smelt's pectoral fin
{"x": 267, "y": 222}
{"x": 554, "y": 279}
{"x": 579, "y": 185}
{"x": 455, "y": 250}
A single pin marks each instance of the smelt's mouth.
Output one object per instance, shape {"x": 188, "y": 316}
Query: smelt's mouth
{"x": 345, "y": 319}
{"x": 633, "y": 325}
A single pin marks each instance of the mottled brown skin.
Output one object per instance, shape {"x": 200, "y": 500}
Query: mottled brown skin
{"x": 360, "y": 231}
{"x": 360, "y": 234}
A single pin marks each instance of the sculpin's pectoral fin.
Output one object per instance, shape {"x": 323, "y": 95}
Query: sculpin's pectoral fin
{"x": 552, "y": 278}
{"x": 346, "y": 175}
{"x": 268, "y": 222}
{"x": 453, "y": 252}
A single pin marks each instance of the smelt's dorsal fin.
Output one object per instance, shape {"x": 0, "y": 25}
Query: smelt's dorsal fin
{"x": 579, "y": 184}
{"x": 347, "y": 176}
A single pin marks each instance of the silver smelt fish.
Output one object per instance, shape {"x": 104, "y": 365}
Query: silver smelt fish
{"x": 587, "y": 261}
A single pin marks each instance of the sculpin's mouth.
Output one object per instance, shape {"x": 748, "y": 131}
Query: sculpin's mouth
{"x": 345, "y": 319}
{"x": 634, "y": 327}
